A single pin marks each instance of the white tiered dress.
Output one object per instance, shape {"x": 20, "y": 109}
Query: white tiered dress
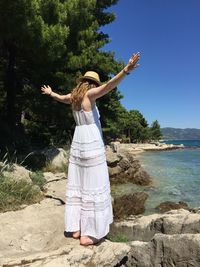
{"x": 88, "y": 201}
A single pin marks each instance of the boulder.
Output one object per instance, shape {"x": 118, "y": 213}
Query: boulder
{"x": 139, "y": 176}
{"x": 112, "y": 158}
{"x": 143, "y": 228}
{"x": 167, "y": 251}
{"x": 115, "y": 174}
{"x": 123, "y": 168}
{"x": 124, "y": 163}
{"x": 27, "y": 235}
{"x": 33, "y": 237}
{"x": 18, "y": 173}
{"x": 114, "y": 145}
{"x": 170, "y": 205}
{"x": 35, "y": 161}
{"x": 56, "y": 157}
{"x": 56, "y": 185}
{"x": 129, "y": 205}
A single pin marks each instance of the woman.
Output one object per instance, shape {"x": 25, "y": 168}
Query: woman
{"x": 88, "y": 210}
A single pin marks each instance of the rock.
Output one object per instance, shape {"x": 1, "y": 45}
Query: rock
{"x": 123, "y": 168}
{"x": 124, "y": 163}
{"x": 112, "y": 158}
{"x": 195, "y": 210}
{"x": 51, "y": 177}
{"x": 167, "y": 251}
{"x": 145, "y": 227}
{"x": 140, "y": 177}
{"x": 33, "y": 237}
{"x": 35, "y": 161}
{"x": 162, "y": 250}
{"x": 114, "y": 146}
{"x": 56, "y": 184}
{"x": 169, "y": 205}
{"x": 56, "y": 157}
{"x": 129, "y": 205}
{"x": 18, "y": 173}
{"x": 134, "y": 173}
{"x": 70, "y": 253}
{"x": 134, "y": 149}
{"x": 115, "y": 174}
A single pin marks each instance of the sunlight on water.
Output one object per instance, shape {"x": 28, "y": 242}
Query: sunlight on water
{"x": 176, "y": 174}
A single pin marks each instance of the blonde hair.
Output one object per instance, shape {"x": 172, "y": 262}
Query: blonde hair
{"x": 79, "y": 91}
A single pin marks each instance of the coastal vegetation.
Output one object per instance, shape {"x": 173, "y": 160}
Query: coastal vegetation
{"x": 53, "y": 42}
{"x": 14, "y": 194}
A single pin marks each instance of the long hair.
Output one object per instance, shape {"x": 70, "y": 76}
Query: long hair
{"x": 79, "y": 91}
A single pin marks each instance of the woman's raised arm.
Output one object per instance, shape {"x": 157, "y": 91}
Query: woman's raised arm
{"x": 61, "y": 98}
{"x": 97, "y": 92}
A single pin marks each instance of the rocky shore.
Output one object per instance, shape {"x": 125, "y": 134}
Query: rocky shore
{"x": 33, "y": 236}
{"x": 134, "y": 149}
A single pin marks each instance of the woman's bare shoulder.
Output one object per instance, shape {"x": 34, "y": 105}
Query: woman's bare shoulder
{"x": 87, "y": 103}
{"x": 96, "y": 92}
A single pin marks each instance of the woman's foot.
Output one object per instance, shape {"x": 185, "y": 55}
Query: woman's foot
{"x": 88, "y": 240}
{"x": 76, "y": 234}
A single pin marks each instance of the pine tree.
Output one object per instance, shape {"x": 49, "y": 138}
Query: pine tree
{"x": 53, "y": 42}
{"x": 49, "y": 42}
{"x": 155, "y": 131}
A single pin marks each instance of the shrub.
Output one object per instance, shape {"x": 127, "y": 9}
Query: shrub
{"x": 14, "y": 194}
{"x": 51, "y": 168}
{"x": 38, "y": 179}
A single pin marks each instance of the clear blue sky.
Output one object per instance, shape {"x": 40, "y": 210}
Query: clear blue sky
{"x": 166, "y": 86}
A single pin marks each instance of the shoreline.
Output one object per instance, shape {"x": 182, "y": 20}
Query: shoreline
{"x": 30, "y": 243}
{"x": 136, "y": 149}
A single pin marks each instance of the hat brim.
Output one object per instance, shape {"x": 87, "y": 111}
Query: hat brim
{"x": 85, "y": 78}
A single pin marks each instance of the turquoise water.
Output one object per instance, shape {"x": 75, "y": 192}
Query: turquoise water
{"x": 176, "y": 176}
{"x": 187, "y": 143}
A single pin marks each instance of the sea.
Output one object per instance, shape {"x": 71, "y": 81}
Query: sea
{"x": 175, "y": 173}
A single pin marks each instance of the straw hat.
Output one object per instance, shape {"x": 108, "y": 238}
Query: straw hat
{"x": 90, "y": 75}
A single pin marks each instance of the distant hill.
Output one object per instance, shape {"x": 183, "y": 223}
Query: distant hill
{"x": 180, "y": 134}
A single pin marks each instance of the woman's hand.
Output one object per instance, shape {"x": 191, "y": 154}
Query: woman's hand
{"x": 132, "y": 63}
{"x": 46, "y": 90}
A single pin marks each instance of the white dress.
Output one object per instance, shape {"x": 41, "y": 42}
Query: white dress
{"x": 88, "y": 201}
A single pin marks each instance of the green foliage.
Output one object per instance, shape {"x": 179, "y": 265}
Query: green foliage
{"x": 155, "y": 130}
{"x": 14, "y": 194}
{"x": 51, "y": 168}
{"x": 53, "y": 42}
{"x": 129, "y": 126}
{"x": 38, "y": 179}
{"x": 117, "y": 237}
{"x": 48, "y": 42}
{"x": 7, "y": 161}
